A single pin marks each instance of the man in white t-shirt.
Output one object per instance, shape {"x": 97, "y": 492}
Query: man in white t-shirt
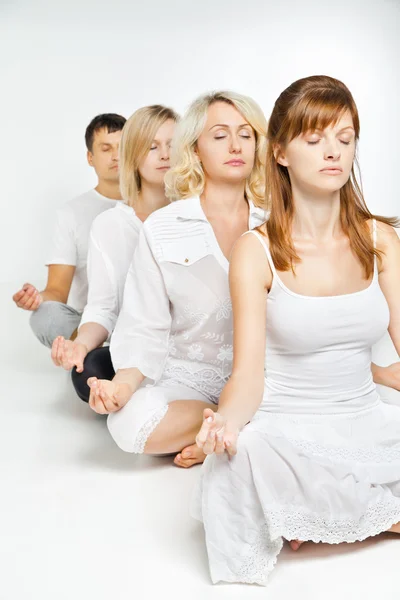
{"x": 58, "y": 308}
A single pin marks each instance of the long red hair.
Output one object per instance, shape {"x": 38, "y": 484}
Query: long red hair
{"x": 313, "y": 103}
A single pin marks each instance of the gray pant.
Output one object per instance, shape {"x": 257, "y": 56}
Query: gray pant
{"x": 52, "y": 319}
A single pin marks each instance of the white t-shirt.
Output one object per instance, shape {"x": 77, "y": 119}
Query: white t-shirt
{"x": 71, "y": 237}
{"x": 113, "y": 239}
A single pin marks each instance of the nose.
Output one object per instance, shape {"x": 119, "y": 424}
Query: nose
{"x": 164, "y": 151}
{"x": 115, "y": 155}
{"x": 236, "y": 146}
{"x": 332, "y": 150}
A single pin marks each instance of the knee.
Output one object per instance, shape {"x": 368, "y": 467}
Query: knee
{"x": 97, "y": 364}
{"x": 79, "y": 381}
{"x": 44, "y": 322}
{"x": 132, "y": 426}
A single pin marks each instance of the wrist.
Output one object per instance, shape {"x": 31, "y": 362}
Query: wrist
{"x": 82, "y": 343}
{"x": 378, "y": 375}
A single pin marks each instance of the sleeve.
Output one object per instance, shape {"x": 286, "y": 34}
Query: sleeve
{"x": 102, "y": 299}
{"x": 141, "y": 335}
{"x": 64, "y": 250}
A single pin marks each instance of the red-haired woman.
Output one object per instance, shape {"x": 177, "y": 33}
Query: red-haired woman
{"x": 312, "y": 290}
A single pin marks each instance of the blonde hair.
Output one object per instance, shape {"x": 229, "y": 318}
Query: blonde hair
{"x": 137, "y": 136}
{"x": 186, "y": 176}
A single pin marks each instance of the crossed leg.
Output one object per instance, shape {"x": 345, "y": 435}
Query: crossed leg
{"x": 161, "y": 420}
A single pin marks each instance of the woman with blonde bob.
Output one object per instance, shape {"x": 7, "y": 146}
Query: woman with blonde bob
{"x": 175, "y": 327}
{"x": 144, "y": 160}
{"x": 312, "y": 290}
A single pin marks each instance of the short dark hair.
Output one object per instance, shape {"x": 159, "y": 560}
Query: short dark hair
{"x": 110, "y": 121}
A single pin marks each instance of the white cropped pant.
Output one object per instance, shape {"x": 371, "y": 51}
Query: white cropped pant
{"x": 131, "y": 426}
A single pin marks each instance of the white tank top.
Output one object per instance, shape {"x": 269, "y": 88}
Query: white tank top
{"x": 318, "y": 348}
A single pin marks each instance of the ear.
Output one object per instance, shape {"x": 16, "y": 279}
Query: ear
{"x": 89, "y": 157}
{"x": 280, "y": 156}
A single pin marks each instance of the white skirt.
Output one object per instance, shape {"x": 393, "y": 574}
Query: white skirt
{"x": 323, "y": 478}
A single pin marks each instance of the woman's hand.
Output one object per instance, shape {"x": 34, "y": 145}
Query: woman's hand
{"x": 28, "y": 297}
{"x": 108, "y": 396}
{"x": 216, "y": 434}
{"x": 68, "y": 354}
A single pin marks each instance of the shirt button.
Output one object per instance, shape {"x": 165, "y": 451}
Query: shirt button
{"x": 186, "y": 260}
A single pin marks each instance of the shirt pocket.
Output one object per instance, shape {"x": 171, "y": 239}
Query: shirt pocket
{"x": 186, "y": 252}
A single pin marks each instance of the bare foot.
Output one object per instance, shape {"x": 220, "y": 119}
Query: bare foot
{"x": 295, "y": 544}
{"x": 191, "y": 455}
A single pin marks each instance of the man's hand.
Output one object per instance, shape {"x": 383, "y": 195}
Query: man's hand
{"x": 28, "y": 297}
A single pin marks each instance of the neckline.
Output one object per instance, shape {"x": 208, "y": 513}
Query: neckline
{"x": 276, "y": 277}
{"x": 217, "y": 248}
{"x": 114, "y": 200}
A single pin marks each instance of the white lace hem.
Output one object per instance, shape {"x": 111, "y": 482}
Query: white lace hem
{"x": 377, "y": 454}
{"x": 292, "y": 523}
{"x": 147, "y": 430}
{"x": 207, "y": 381}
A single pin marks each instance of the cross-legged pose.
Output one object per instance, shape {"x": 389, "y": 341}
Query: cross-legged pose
{"x": 144, "y": 160}
{"x": 175, "y": 326}
{"x": 57, "y": 310}
{"x": 312, "y": 290}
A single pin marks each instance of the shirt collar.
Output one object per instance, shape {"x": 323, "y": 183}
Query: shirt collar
{"x": 191, "y": 210}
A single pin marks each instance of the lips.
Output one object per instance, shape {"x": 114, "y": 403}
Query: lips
{"x": 237, "y": 162}
{"x": 332, "y": 171}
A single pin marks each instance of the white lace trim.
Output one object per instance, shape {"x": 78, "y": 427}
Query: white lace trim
{"x": 296, "y": 523}
{"x": 148, "y": 429}
{"x": 260, "y": 559}
{"x": 293, "y": 523}
{"x": 206, "y": 381}
{"x": 377, "y": 454}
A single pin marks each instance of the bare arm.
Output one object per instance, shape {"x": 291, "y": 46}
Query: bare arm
{"x": 59, "y": 282}
{"x": 250, "y": 279}
{"x": 249, "y": 282}
{"x": 389, "y": 278}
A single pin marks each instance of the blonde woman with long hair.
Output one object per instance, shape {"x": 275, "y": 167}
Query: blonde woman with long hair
{"x": 312, "y": 290}
{"x": 175, "y": 327}
{"x": 144, "y": 160}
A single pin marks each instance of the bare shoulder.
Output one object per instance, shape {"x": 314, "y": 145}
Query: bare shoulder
{"x": 387, "y": 236}
{"x": 249, "y": 261}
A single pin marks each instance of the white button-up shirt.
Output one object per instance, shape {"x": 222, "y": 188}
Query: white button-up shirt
{"x": 175, "y": 325}
{"x": 112, "y": 241}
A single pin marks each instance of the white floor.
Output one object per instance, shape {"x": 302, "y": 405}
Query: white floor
{"x": 81, "y": 520}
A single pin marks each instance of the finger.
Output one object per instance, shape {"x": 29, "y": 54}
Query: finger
{"x": 28, "y": 286}
{"x": 219, "y": 442}
{"x": 230, "y": 446}
{"x": 79, "y": 359}
{"x": 99, "y": 406}
{"x": 61, "y": 350}
{"x": 30, "y": 290}
{"x": 92, "y": 382}
{"x": 54, "y": 351}
{"x": 201, "y": 437}
{"x": 22, "y": 302}
{"x": 106, "y": 399}
{"x": 209, "y": 446}
{"x": 29, "y": 302}
{"x": 36, "y": 304}
{"x": 109, "y": 402}
{"x": 18, "y": 295}
{"x": 79, "y": 365}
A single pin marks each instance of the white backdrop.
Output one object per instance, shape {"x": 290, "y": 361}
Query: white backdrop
{"x": 64, "y": 62}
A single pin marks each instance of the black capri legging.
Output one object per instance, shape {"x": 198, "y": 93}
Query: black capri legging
{"x": 97, "y": 364}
